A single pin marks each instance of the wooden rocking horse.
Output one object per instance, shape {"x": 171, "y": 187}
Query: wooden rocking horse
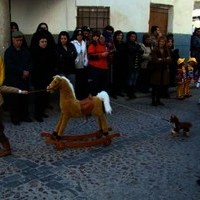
{"x": 70, "y": 107}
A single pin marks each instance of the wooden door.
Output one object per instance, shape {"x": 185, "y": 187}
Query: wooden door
{"x": 159, "y": 17}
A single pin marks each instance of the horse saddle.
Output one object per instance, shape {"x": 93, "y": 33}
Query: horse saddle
{"x": 86, "y": 105}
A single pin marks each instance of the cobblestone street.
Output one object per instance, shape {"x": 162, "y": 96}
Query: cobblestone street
{"x": 145, "y": 163}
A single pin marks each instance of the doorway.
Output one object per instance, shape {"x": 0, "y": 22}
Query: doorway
{"x": 159, "y": 17}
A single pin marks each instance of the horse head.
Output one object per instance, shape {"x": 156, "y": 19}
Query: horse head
{"x": 63, "y": 84}
{"x": 55, "y": 83}
{"x": 174, "y": 119}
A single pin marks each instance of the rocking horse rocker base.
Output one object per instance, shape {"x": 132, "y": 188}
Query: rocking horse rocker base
{"x": 79, "y": 141}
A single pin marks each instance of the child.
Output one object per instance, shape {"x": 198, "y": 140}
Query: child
{"x": 5, "y": 89}
{"x": 190, "y": 75}
{"x": 181, "y": 78}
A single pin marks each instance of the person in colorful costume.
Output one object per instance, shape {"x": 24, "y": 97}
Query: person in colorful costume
{"x": 4, "y": 141}
{"x": 181, "y": 78}
{"x": 190, "y": 75}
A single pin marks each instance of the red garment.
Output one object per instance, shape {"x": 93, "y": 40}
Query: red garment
{"x": 97, "y": 50}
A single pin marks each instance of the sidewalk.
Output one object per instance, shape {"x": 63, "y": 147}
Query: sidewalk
{"x": 145, "y": 163}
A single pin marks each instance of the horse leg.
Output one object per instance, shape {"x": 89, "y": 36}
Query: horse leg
{"x": 58, "y": 123}
{"x": 186, "y": 132}
{"x": 103, "y": 124}
{"x": 55, "y": 132}
{"x": 62, "y": 124}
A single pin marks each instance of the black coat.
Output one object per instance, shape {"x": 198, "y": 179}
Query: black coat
{"x": 66, "y": 59}
{"x": 44, "y": 63}
{"x": 134, "y": 52}
{"x": 160, "y": 67}
{"x": 17, "y": 61}
{"x": 120, "y": 55}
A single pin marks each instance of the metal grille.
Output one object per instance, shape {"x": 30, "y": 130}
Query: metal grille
{"x": 94, "y": 17}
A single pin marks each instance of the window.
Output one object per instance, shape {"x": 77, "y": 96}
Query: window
{"x": 94, "y": 17}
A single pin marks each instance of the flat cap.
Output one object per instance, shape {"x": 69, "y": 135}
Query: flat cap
{"x": 17, "y": 34}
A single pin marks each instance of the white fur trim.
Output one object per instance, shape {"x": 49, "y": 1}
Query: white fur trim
{"x": 106, "y": 100}
{"x": 173, "y": 131}
{"x": 187, "y": 133}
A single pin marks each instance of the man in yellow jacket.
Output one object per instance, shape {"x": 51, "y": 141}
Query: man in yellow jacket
{"x": 5, "y": 89}
{"x": 2, "y": 71}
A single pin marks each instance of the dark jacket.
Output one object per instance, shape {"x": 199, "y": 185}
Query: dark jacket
{"x": 66, "y": 59}
{"x": 160, "y": 63}
{"x": 134, "y": 52}
{"x": 120, "y": 55}
{"x": 44, "y": 63}
{"x": 16, "y": 61}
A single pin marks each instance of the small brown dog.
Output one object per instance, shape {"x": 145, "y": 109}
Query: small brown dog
{"x": 177, "y": 126}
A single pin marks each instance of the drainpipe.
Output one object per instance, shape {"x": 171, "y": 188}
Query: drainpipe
{"x": 4, "y": 25}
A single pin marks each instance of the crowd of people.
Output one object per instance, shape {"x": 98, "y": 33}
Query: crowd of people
{"x": 95, "y": 61}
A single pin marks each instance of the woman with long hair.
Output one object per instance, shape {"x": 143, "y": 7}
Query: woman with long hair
{"x": 66, "y": 55}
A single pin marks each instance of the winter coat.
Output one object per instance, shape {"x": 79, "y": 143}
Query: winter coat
{"x": 66, "y": 59}
{"x": 44, "y": 63}
{"x": 120, "y": 55}
{"x": 134, "y": 53}
{"x": 195, "y": 48}
{"x": 160, "y": 67}
{"x": 146, "y": 57}
{"x": 17, "y": 61}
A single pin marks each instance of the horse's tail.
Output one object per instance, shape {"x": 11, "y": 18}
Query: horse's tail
{"x": 106, "y": 101}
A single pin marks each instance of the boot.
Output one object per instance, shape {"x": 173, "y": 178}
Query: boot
{"x": 158, "y": 102}
{"x": 158, "y": 98}
{"x": 154, "y": 103}
{"x": 6, "y": 148}
{"x": 131, "y": 93}
{"x": 153, "y": 97}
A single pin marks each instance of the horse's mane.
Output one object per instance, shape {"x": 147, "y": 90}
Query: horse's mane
{"x": 69, "y": 83}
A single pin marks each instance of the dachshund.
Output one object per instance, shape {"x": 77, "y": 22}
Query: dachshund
{"x": 177, "y": 126}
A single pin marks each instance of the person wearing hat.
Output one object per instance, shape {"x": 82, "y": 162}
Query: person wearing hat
{"x": 4, "y": 141}
{"x": 181, "y": 78}
{"x": 14, "y": 27}
{"x": 17, "y": 34}
{"x": 190, "y": 75}
{"x": 86, "y": 34}
{"x": 18, "y": 65}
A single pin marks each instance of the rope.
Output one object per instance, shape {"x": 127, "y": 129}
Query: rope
{"x": 35, "y": 91}
{"x": 139, "y": 111}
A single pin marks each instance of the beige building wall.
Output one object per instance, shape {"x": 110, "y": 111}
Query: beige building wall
{"x": 125, "y": 15}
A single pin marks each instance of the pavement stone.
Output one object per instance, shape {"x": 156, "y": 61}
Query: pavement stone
{"x": 145, "y": 163}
